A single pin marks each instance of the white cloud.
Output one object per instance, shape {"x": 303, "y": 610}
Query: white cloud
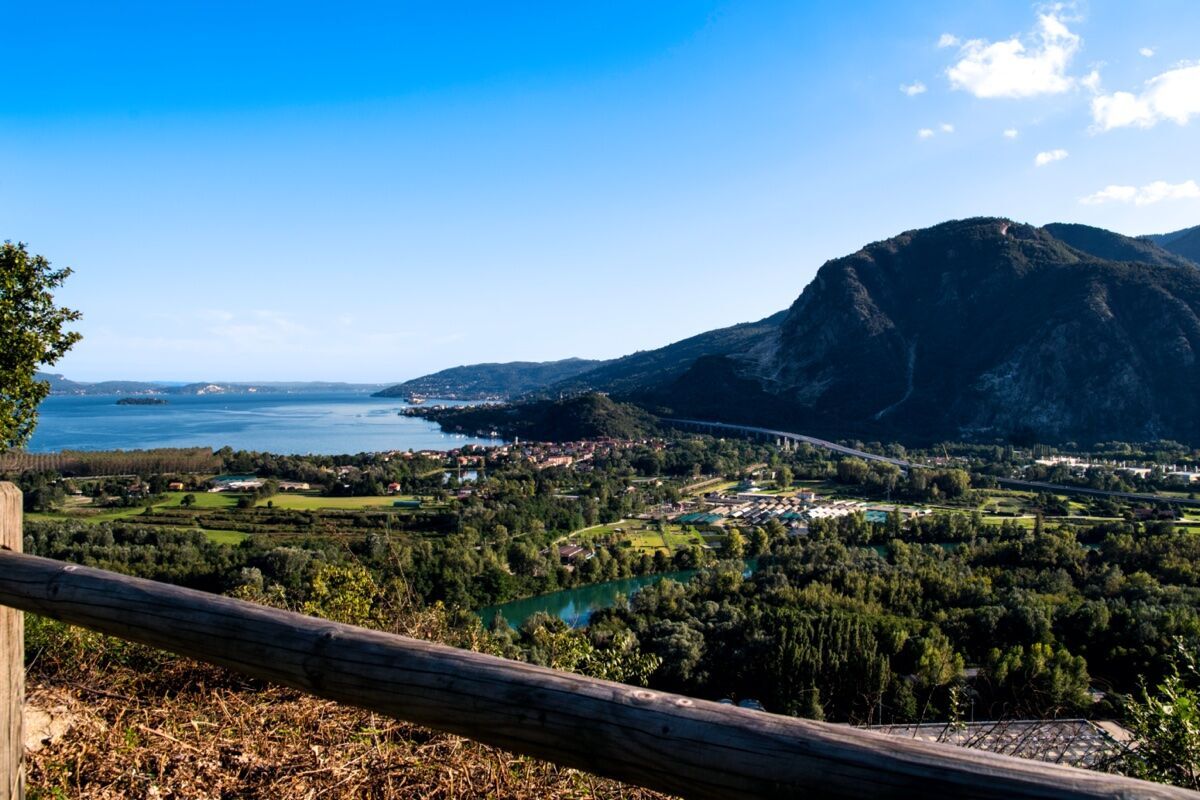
{"x": 1011, "y": 133}
{"x": 948, "y": 40}
{"x": 1091, "y": 81}
{"x": 1050, "y": 156}
{"x": 1016, "y": 68}
{"x": 925, "y": 133}
{"x": 913, "y": 89}
{"x": 1174, "y": 95}
{"x": 1146, "y": 195}
{"x": 1148, "y": 52}
{"x": 946, "y": 127}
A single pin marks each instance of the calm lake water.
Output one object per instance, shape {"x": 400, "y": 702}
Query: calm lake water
{"x": 329, "y": 424}
{"x": 575, "y": 606}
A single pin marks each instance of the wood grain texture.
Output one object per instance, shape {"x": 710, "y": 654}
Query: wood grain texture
{"x": 12, "y": 661}
{"x": 680, "y": 745}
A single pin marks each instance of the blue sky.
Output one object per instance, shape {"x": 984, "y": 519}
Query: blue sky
{"x": 319, "y": 191}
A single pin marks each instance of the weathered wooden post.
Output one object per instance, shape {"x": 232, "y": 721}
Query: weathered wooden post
{"x": 12, "y": 662}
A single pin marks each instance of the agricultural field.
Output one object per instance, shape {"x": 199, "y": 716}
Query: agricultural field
{"x": 217, "y": 515}
{"x": 81, "y": 509}
{"x": 308, "y": 501}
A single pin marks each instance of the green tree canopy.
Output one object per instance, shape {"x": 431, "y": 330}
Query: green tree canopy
{"x": 31, "y": 334}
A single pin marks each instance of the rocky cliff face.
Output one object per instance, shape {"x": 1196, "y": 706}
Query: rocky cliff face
{"x": 980, "y": 328}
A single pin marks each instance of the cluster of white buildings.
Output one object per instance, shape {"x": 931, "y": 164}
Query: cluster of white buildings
{"x": 755, "y": 508}
{"x": 1079, "y": 466}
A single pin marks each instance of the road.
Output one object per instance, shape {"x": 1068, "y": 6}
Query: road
{"x": 1015, "y": 483}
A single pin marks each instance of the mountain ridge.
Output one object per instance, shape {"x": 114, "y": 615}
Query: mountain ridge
{"x": 61, "y": 385}
{"x": 1184, "y": 242}
{"x": 492, "y": 380}
{"x": 983, "y": 328}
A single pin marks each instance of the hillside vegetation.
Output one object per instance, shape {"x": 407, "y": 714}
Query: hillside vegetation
{"x": 585, "y": 416}
{"x": 491, "y": 381}
{"x": 1185, "y": 242}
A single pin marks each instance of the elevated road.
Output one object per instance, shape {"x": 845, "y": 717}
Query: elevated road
{"x": 1014, "y": 483}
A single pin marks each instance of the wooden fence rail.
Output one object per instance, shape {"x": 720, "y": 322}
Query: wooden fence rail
{"x": 679, "y": 745}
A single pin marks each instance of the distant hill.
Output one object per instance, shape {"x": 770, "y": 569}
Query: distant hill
{"x": 491, "y": 381}
{"x": 584, "y": 416}
{"x": 1185, "y": 242}
{"x": 60, "y": 385}
{"x": 629, "y": 374}
{"x": 1115, "y": 247}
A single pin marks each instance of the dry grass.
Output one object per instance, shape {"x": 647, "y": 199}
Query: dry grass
{"x": 145, "y": 725}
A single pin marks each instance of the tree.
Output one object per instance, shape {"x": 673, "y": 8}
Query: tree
{"x": 735, "y": 545}
{"x": 784, "y": 478}
{"x": 1166, "y": 728}
{"x": 852, "y": 470}
{"x": 31, "y": 329}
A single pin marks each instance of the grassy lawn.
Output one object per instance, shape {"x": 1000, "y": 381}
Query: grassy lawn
{"x": 644, "y": 536}
{"x": 203, "y": 500}
{"x": 79, "y": 515}
{"x": 301, "y": 501}
{"x": 677, "y": 539}
{"x": 226, "y": 537}
{"x": 1024, "y": 522}
{"x": 647, "y": 541}
{"x": 81, "y": 509}
{"x": 715, "y": 486}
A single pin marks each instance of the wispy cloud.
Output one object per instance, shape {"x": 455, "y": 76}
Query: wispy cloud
{"x": 925, "y": 133}
{"x": 1147, "y": 52}
{"x": 1174, "y": 95}
{"x": 913, "y": 89}
{"x": 1018, "y": 67}
{"x": 1049, "y": 157}
{"x": 1149, "y": 194}
{"x": 1011, "y": 133}
{"x": 948, "y": 40}
{"x": 946, "y": 127}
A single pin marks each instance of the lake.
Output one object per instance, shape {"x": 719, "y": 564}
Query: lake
{"x": 327, "y": 423}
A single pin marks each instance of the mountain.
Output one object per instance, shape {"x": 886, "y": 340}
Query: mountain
{"x": 1115, "y": 247}
{"x": 1185, "y": 243}
{"x": 981, "y": 328}
{"x": 491, "y": 381}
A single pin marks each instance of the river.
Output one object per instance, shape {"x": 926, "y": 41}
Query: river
{"x": 575, "y": 606}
